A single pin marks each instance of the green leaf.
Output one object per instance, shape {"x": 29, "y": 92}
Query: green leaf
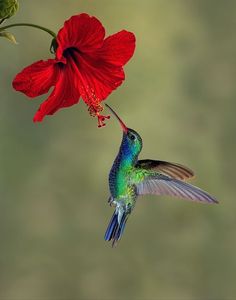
{"x": 8, "y": 36}
{"x": 8, "y": 8}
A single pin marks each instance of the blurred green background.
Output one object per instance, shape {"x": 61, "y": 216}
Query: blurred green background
{"x": 179, "y": 94}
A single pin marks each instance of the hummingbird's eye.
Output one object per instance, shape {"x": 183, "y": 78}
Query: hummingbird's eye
{"x": 132, "y": 137}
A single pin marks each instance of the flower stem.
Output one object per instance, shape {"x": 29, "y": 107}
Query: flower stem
{"x": 30, "y": 25}
{"x": 1, "y": 21}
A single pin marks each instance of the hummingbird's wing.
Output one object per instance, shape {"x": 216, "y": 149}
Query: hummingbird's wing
{"x": 164, "y": 185}
{"x": 173, "y": 170}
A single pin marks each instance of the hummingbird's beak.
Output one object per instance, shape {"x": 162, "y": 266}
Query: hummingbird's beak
{"x": 122, "y": 124}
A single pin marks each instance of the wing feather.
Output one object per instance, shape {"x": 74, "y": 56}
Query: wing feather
{"x": 164, "y": 185}
{"x": 173, "y": 170}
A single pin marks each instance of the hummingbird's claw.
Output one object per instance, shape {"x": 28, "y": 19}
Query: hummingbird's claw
{"x": 111, "y": 201}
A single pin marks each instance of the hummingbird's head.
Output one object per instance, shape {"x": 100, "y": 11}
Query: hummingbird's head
{"x": 132, "y": 142}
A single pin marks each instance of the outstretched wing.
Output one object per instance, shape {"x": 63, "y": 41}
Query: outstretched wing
{"x": 164, "y": 185}
{"x": 173, "y": 170}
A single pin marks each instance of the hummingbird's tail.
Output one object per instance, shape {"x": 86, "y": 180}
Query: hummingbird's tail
{"x": 116, "y": 227}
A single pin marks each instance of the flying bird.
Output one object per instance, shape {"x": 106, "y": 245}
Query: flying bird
{"x": 130, "y": 178}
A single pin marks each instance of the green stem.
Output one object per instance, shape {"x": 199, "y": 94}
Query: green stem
{"x": 30, "y": 25}
{"x": 2, "y": 21}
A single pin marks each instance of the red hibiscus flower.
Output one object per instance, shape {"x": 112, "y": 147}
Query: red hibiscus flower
{"x": 86, "y": 65}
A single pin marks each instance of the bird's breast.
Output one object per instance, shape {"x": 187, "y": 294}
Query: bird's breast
{"x": 120, "y": 182}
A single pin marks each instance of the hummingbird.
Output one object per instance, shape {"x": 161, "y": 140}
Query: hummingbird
{"x": 130, "y": 178}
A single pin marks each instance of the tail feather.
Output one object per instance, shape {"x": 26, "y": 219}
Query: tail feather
{"x": 115, "y": 228}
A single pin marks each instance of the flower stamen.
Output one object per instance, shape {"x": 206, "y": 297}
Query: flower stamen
{"x": 94, "y": 104}
{"x": 95, "y": 110}
{"x": 101, "y": 119}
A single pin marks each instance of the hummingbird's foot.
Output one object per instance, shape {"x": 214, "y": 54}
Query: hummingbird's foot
{"x": 129, "y": 208}
{"x": 111, "y": 201}
{"x": 95, "y": 112}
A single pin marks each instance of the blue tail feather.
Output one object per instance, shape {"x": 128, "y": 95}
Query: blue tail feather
{"x": 115, "y": 229}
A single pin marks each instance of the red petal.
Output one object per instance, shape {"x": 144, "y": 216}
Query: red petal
{"x": 65, "y": 94}
{"x": 97, "y": 79}
{"x": 118, "y": 48}
{"x": 82, "y": 32}
{"x": 36, "y": 79}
